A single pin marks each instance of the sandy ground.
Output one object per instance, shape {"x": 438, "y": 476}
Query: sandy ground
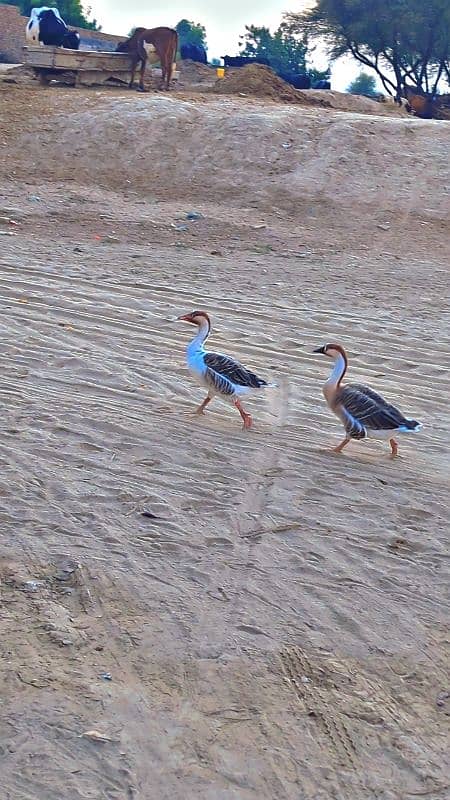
{"x": 234, "y": 615}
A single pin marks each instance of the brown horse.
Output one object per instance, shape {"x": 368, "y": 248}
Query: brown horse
{"x": 165, "y": 43}
{"x": 419, "y": 103}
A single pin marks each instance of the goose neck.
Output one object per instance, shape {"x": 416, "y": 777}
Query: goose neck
{"x": 336, "y": 375}
{"x": 199, "y": 338}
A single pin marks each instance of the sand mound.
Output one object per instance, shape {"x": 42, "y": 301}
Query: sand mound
{"x": 259, "y": 81}
{"x": 192, "y": 73}
{"x": 341, "y": 101}
{"x": 191, "y": 611}
{"x": 274, "y": 155}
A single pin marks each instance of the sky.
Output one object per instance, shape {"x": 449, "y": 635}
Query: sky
{"x": 224, "y": 20}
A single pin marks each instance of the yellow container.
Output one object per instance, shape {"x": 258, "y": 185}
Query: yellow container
{"x": 220, "y": 72}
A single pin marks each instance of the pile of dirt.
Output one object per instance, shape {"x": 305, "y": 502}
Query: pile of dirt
{"x": 259, "y": 81}
{"x": 343, "y": 101}
{"x": 192, "y": 73}
{"x": 181, "y": 598}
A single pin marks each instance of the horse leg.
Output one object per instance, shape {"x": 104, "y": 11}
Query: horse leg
{"x": 167, "y": 71}
{"x": 141, "y": 77}
{"x": 134, "y": 64}
{"x": 170, "y": 68}
{"x": 142, "y": 55}
{"x": 165, "y": 77}
{"x": 141, "y": 87}
{"x": 162, "y": 61}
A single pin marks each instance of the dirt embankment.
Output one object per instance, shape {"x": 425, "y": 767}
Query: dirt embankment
{"x": 274, "y": 156}
{"x": 191, "y": 611}
{"x": 257, "y": 80}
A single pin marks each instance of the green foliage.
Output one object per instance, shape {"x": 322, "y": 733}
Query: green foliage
{"x": 318, "y": 75}
{"x": 191, "y": 33}
{"x": 363, "y": 84}
{"x": 286, "y": 50}
{"x": 406, "y": 42}
{"x": 71, "y": 11}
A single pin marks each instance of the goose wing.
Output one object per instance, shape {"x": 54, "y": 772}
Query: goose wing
{"x": 232, "y": 371}
{"x": 367, "y": 409}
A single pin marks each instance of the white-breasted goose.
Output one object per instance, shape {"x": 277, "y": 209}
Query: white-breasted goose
{"x": 221, "y": 375}
{"x": 363, "y": 412}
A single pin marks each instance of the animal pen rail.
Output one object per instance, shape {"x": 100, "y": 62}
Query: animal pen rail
{"x": 80, "y": 67}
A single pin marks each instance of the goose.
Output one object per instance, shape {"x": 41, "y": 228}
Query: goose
{"x": 220, "y": 374}
{"x": 363, "y": 412}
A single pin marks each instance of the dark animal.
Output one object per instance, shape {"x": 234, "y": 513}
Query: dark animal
{"x": 195, "y": 52}
{"x": 241, "y": 61}
{"x": 47, "y": 27}
{"x": 321, "y": 85}
{"x": 297, "y": 79}
{"x": 157, "y": 44}
{"x": 419, "y": 103}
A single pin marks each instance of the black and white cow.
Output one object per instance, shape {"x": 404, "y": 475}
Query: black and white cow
{"x": 47, "y": 27}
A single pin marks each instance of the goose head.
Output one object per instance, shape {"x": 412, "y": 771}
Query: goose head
{"x": 332, "y": 351}
{"x": 199, "y": 318}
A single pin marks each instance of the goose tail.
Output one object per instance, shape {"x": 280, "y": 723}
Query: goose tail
{"x": 411, "y": 426}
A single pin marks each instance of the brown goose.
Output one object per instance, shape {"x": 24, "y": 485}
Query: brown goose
{"x": 363, "y": 412}
{"x": 221, "y": 375}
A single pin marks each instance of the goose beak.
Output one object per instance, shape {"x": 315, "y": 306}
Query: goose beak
{"x": 185, "y": 318}
{"x": 319, "y": 350}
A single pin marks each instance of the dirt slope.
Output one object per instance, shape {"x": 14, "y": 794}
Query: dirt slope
{"x": 240, "y": 615}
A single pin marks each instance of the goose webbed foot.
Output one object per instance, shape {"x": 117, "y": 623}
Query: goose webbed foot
{"x": 246, "y": 417}
{"x": 202, "y": 406}
{"x": 341, "y": 446}
{"x": 394, "y": 448}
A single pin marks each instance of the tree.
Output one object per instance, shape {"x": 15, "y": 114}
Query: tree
{"x": 363, "y": 84}
{"x": 406, "y": 42}
{"x": 71, "y": 11}
{"x": 285, "y": 50}
{"x": 191, "y": 33}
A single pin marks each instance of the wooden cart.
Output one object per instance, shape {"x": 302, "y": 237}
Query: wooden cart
{"x": 80, "y": 67}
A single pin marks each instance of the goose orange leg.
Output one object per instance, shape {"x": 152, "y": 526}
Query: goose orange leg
{"x": 341, "y": 446}
{"x": 394, "y": 447}
{"x": 247, "y": 418}
{"x": 201, "y": 408}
